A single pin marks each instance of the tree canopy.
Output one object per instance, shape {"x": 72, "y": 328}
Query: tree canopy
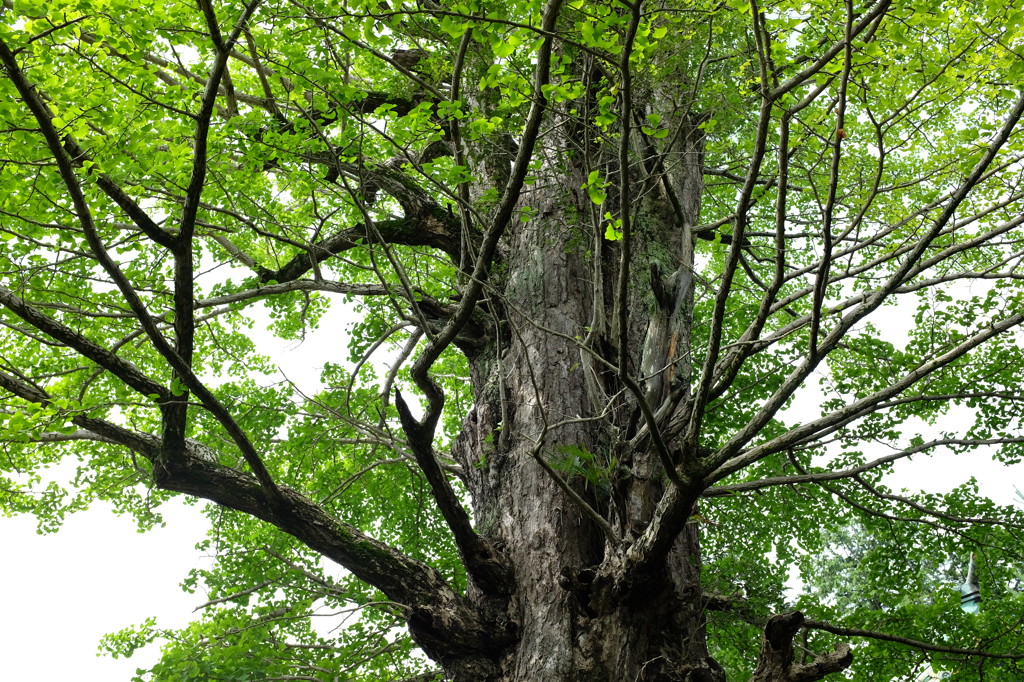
{"x": 633, "y": 306}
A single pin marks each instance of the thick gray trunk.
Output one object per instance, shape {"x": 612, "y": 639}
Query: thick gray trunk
{"x": 544, "y": 394}
{"x": 578, "y": 454}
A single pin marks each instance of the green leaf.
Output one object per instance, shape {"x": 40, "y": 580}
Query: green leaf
{"x": 502, "y": 49}
{"x": 595, "y": 187}
{"x": 178, "y": 388}
{"x": 613, "y": 230}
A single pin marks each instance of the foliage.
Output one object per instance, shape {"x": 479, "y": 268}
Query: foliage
{"x": 836, "y": 191}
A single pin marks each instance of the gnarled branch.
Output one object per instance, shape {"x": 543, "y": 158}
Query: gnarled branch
{"x": 776, "y": 663}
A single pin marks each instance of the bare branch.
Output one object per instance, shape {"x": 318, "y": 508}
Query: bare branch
{"x": 122, "y": 369}
{"x": 817, "y": 477}
{"x": 490, "y": 570}
{"x": 437, "y": 229}
{"x": 499, "y": 223}
{"x": 906, "y": 641}
{"x": 725, "y": 466}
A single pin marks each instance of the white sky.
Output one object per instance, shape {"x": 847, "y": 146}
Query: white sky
{"x": 63, "y": 591}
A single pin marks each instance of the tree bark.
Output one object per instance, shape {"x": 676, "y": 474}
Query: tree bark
{"x": 546, "y": 394}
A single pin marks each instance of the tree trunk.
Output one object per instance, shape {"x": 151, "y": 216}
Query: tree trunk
{"x": 548, "y": 393}
{"x": 591, "y": 507}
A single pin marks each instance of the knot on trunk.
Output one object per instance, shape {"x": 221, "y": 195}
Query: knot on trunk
{"x": 776, "y": 661}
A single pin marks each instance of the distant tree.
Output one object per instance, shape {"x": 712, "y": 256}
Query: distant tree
{"x": 649, "y": 296}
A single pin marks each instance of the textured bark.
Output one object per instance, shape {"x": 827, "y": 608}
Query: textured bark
{"x": 583, "y": 610}
{"x": 777, "y": 665}
{"x": 604, "y": 570}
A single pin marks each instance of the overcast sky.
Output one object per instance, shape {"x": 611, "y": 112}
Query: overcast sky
{"x": 63, "y": 591}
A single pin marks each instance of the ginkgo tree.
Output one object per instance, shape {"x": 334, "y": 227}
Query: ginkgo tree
{"x": 645, "y": 298}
